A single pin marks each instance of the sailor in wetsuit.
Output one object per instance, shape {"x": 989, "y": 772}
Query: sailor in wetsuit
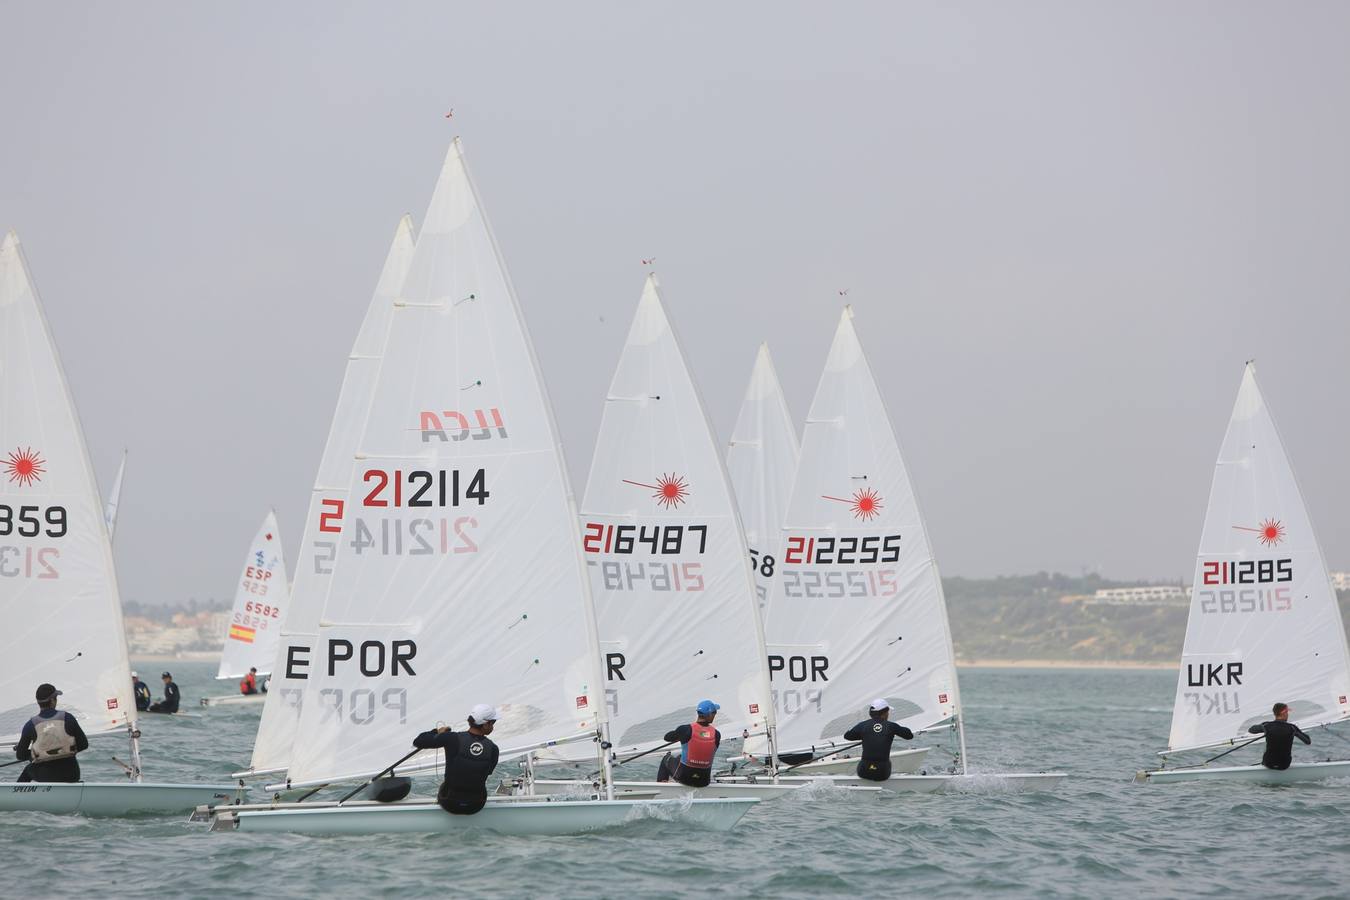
{"x": 250, "y": 683}
{"x": 469, "y": 759}
{"x": 699, "y": 742}
{"x": 171, "y": 697}
{"x": 877, "y": 734}
{"x": 1280, "y": 736}
{"x": 50, "y": 741}
{"x": 141, "y": 691}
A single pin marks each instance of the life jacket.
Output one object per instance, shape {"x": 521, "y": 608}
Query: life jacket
{"x": 249, "y": 685}
{"x": 702, "y": 746}
{"x": 52, "y": 741}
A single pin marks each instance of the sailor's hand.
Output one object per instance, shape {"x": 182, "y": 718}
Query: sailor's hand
{"x": 442, "y": 729}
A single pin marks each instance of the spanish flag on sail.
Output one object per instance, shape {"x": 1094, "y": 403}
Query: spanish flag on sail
{"x": 242, "y": 633}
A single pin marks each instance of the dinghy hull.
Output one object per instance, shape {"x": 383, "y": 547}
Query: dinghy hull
{"x": 557, "y": 817}
{"x": 114, "y": 799}
{"x": 1010, "y": 782}
{"x": 666, "y": 790}
{"x": 235, "y": 700}
{"x": 1254, "y": 774}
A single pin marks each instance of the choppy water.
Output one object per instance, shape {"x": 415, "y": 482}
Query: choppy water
{"x": 1098, "y": 835}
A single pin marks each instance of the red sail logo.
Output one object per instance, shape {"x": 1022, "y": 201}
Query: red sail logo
{"x": 25, "y": 466}
{"x": 1271, "y": 531}
{"x": 669, "y": 491}
{"x": 865, "y": 503}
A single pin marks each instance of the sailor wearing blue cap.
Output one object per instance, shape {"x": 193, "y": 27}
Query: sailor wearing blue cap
{"x": 699, "y": 741}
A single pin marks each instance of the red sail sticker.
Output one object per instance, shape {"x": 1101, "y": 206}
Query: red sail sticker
{"x": 112, "y": 704}
{"x": 942, "y": 698}
{"x": 583, "y": 702}
{"x": 754, "y": 708}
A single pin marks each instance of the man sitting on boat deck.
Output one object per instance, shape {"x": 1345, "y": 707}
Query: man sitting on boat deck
{"x": 171, "y": 697}
{"x": 141, "y": 691}
{"x": 50, "y": 741}
{"x": 877, "y": 733}
{"x": 1280, "y": 735}
{"x": 469, "y": 760}
{"x": 250, "y": 683}
{"x": 699, "y": 741}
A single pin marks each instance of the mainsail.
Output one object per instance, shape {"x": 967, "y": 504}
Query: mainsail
{"x": 762, "y": 460}
{"x": 58, "y": 596}
{"x": 459, "y": 577}
{"x": 1264, "y": 625}
{"x": 261, "y": 599}
{"x": 676, "y": 606}
{"x": 856, "y": 611}
{"x": 327, "y": 506}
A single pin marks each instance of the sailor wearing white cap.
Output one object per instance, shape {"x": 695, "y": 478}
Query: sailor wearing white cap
{"x": 470, "y": 758}
{"x": 877, "y": 733}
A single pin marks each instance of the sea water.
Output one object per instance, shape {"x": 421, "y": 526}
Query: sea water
{"x": 1097, "y": 835}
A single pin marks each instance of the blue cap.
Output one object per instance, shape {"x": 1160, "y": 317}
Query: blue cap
{"x": 707, "y": 707}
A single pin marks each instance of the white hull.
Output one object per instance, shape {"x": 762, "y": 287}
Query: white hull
{"x": 902, "y": 763}
{"x": 994, "y": 782}
{"x": 1255, "y": 774}
{"x": 113, "y": 799}
{"x": 666, "y": 790}
{"x": 539, "y": 817}
{"x": 234, "y": 700}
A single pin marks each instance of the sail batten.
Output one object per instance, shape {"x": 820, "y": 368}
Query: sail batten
{"x": 1264, "y": 625}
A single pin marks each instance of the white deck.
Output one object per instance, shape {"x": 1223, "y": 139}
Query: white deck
{"x": 624, "y": 790}
{"x": 234, "y": 700}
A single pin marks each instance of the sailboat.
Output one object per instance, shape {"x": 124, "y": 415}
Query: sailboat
{"x": 261, "y": 601}
{"x": 323, "y": 523}
{"x": 856, "y": 611}
{"x": 1264, "y": 625}
{"x": 675, "y": 602}
{"x": 762, "y": 460}
{"x": 115, "y": 497}
{"x": 459, "y": 577}
{"x": 60, "y": 604}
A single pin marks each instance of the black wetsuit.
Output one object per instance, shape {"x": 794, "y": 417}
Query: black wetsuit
{"x": 690, "y": 776}
{"x": 1279, "y": 742}
{"x": 469, "y": 760}
{"x": 876, "y": 735}
{"x": 170, "y": 702}
{"x": 142, "y": 692}
{"x": 64, "y": 770}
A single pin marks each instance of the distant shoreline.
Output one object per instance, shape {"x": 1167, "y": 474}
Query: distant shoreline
{"x": 1060, "y": 664}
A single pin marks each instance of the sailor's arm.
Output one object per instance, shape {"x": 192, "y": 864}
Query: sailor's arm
{"x": 854, "y": 734}
{"x": 436, "y": 737}
{"x": 74, "y": 730}
{"x": 902, "y": 731}
{"x": 26, "y": 738}
{"x": 681, "y": 734}
{"x": 1298, "y": 733}
{"x": 1259, "y": 728}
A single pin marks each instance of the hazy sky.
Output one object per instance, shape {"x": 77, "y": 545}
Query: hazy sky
{"x": 1063, "y": 226}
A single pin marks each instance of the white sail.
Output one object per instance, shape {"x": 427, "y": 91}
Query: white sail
{"x": 58, "y": 596}
{"x": 327, "y": 507}
{"x": 115, "y": 497}
{"x": 857, "y": 610}
{"x": 459, "y": 577}
{"x": 1264, "y": 625}
{"x": 675, "y": 603}
{"x": 261, "y": 599}
{"x": 762, "y": 460}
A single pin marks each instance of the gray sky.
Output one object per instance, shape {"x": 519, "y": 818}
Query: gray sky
{"x": 1063, "y": 226}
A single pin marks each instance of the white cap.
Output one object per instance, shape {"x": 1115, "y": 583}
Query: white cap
{"x": 483, "y": 713}
{"x": 879, "y": 704}
{"x": 133, "y": 674}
